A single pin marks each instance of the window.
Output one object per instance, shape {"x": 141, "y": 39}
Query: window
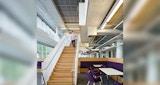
{"x": 43, "y": 50}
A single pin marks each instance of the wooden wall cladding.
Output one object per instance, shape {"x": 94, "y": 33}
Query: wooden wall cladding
{"x": 117, "y": 60}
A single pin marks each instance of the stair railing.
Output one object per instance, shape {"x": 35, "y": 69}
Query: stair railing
{"x": 72, "y": 71}
{"x": 49, "y": 63}
{"x": 75, "y": 64}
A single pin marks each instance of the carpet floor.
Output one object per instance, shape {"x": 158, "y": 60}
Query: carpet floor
{"x": 82, "y": 80}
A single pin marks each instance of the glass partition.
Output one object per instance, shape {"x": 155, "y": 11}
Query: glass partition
{"x": 43, "y": 50}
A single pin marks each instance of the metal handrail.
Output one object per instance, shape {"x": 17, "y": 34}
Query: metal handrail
{"x": 74, "y": 64}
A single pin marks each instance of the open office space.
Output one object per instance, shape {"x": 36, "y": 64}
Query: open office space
{"x": 79, "y": 42}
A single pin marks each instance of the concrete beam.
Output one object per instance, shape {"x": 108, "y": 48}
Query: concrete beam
{"x": 92, "y": 45}
{"x": 108, "y": 32}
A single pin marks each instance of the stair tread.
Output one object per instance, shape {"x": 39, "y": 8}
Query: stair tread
{"x": 61, "y": 83}
{"x": 62, "y": 70}
{"x": 62, "y": 74}
{"x": 64, "y": 67}
{"x": 61, "y": 79}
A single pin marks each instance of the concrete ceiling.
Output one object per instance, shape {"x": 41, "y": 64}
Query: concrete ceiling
{"x": 68, "y": 10}
{"x": 97, "y": 11}
{"x": 64, "y": 13}
{"x": 84, "y": 35}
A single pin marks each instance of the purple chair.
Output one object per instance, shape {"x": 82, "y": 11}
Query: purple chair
{"x": 92, "y": 79}
{"x": 95, "y": 73}
{"x": 116, "y": 83}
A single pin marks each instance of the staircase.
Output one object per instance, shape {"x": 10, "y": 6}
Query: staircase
{"x": 62, "y": 74}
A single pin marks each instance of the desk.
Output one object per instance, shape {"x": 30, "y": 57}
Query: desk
{"x": 97, "y": 65}
{"x": 111, "y": 71}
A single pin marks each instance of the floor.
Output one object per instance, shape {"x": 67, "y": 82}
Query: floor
{"x": 39, "y": 80}
{"x": 82, "y": 80}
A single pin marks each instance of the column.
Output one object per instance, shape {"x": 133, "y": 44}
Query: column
{"x": 152, "y": 67}
{"x": 100, "y": 52}
{"x": 107, "y": 54}
{"x": 119, "y": 49}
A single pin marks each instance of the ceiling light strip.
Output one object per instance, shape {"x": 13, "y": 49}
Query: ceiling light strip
{"x": 118, "y": 24}
{"x": 113, "y": 11}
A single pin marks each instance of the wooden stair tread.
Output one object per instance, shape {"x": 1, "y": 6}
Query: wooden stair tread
{"x": 63, "y": 60}
{"x": 55, "y": 78}
{"x": 59, "y": 70}
{"x": 67, "y": 65}
{"x": 64, "y": 67}
{"x": 62, "y": 74}
{"x": 63, "y": 80}
{"x": 61, "y": 83}
{"x": 64, "y": 63}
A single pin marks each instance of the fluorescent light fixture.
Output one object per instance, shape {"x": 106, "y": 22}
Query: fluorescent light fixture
{"x": 83, "y": 8}
{"x": 113, "y": 11}
{"x": 118, "y": 24}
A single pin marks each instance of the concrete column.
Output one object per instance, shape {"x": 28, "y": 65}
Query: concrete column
{"x": 107, "y": 54}
{"x": 119, "y": 49}
{"x": 152, "y": 67}
{"x": 100, "y": 52}
{"x": 97, "y": 55}
{"x": 112, "y": 55}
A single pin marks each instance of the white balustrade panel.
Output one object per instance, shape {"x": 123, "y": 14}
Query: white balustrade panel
{"x": 76, "y": 59}
{"x": 50, "y": 62}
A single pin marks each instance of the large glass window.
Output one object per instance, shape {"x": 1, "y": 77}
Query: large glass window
{"x": 43, "y": 50}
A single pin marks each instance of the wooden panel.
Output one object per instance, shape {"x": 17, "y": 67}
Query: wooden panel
{"x": 117, "y": 17}
{"x": 117, "y": 60}
{"x": 91, "y": 59}
{"x": 40, "y": 59}
{"x": 120, "y": 79}
{"x": 82, "y": 70}
{"x": 39, "y": 70}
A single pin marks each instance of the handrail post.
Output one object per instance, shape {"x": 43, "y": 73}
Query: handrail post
{"x": 76, "y": 61}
